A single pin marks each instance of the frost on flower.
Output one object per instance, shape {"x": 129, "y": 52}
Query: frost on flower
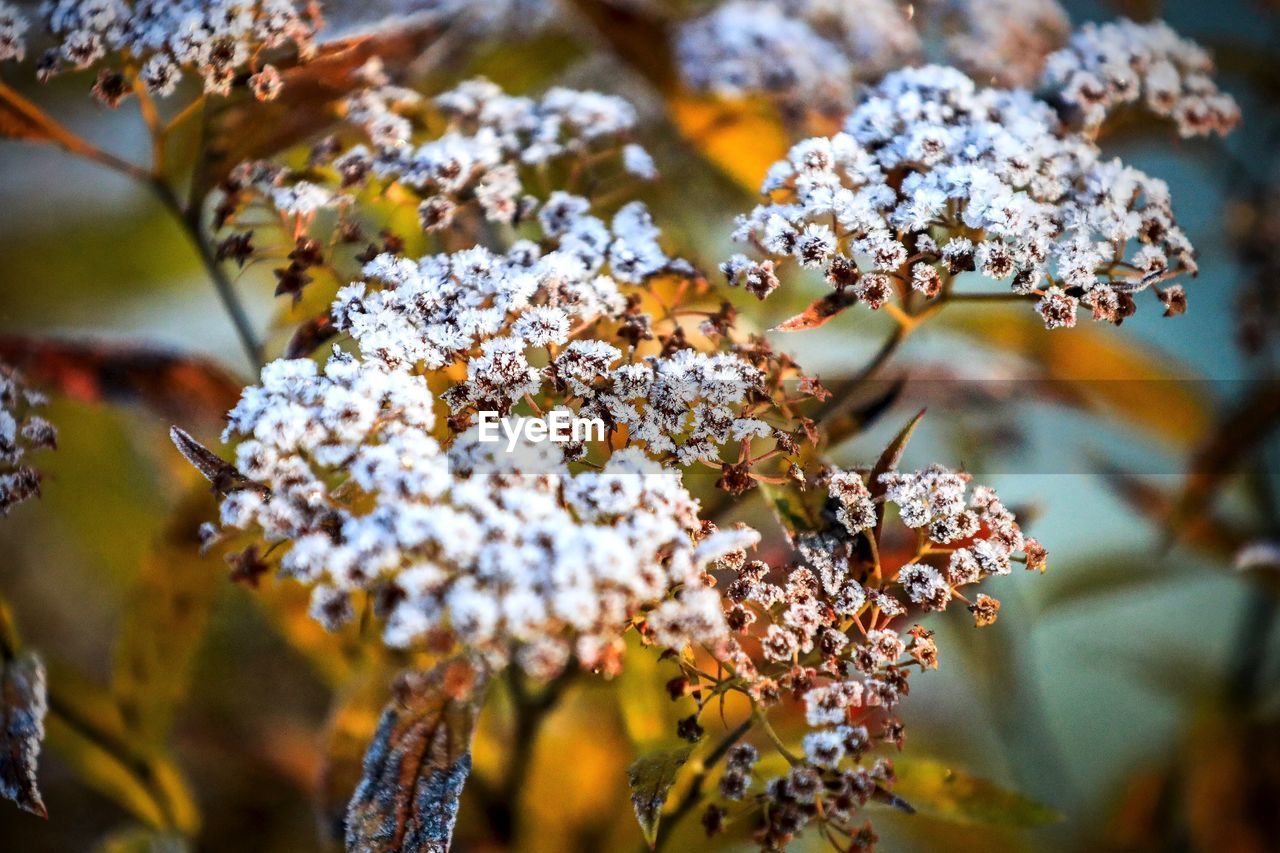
{"x": 21, "y": 432}
{"x": 1107, "y": 66}
{"x": 806, "y": 53}
{"x": 157, "y": 42}
{"x": 484, "y": 165}
{"x": 13, "y": 28}
{"x": 933, "y": 177}
{"x": 511, "y": 556}
{"x": 833, "y": 633}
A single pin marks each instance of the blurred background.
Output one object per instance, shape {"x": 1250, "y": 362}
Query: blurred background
{"x": 1132, "y": 688}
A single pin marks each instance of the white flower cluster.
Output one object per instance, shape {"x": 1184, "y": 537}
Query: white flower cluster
{"x": 503, "y": 553}
{"x": 494, "y": 312}
{"x": 1005, "y": 41}
{"x": 13, "y": 29}
{"x": 828, "y": 632}
{"x": 1109, "y": 65}
{"x": 490, "y": 136}
{"x": 216, "y": 39}
{"x": 21, "y": 432}
{"x": 809, "y": 53}
{"x": 932, "y": 177}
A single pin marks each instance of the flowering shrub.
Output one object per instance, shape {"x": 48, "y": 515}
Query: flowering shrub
{"x": 473, "y": 252}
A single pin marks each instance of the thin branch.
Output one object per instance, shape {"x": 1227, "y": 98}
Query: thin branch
{"x": 190, "y": 222}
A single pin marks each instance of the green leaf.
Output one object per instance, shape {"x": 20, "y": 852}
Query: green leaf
{"x": 87, "y": 732}
{"x": 935, "y": 790}
{"x": 23, "y": 704}
{"x": 164, "y": 623}
{"x": 651, "y": 777}
{"x": 414, "y": 770}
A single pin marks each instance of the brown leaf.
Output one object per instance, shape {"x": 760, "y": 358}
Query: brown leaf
{"x": 23, "y": 704}
{"x": 888, "y": 461}
{"x": 310, "y": 335}
{"x": 818, "y": 313}
{"x": 21, "y": 119}
{"x": 174, "y": 385}
{"x": 651, "y": 777}
{"x": 222, "y": 474}
{"x": 414, "y": 770}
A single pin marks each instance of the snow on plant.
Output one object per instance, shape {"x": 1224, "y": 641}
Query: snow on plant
{"x": 505, "y": 554}
{"x": 153, "y": 43}
{"x": 483, "y": 257}
{"x": 346, "y": 465}
{"x": 22, "y": 431}
{"x": 1107, "y": 66}
{"x": 932, "y": 177}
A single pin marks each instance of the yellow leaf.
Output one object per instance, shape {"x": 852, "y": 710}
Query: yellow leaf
{"x": 743, "y": 137}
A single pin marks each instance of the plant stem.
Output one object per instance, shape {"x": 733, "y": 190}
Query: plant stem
{"x": 189, "y": 220}
{"x": 530, "y": 713}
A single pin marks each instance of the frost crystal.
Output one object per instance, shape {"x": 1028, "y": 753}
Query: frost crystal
{"x": 834, "y": 632}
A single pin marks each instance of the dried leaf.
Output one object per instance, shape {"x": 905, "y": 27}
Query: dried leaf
{"x": 818, "y": 313}
{"x": 936, "y": 790}
{"x": 310, "y": 335}
{"x": 23, "y": 704}
{"x": 222, "y": 474}
{"x": 853, "y": 412}
{"x": 416, "y": 766}
{"x": 651, "y": 777}
{"x": 174, "y": 385}
{"x": 1205, "y": 532}
{"x": 888, "y": 461}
